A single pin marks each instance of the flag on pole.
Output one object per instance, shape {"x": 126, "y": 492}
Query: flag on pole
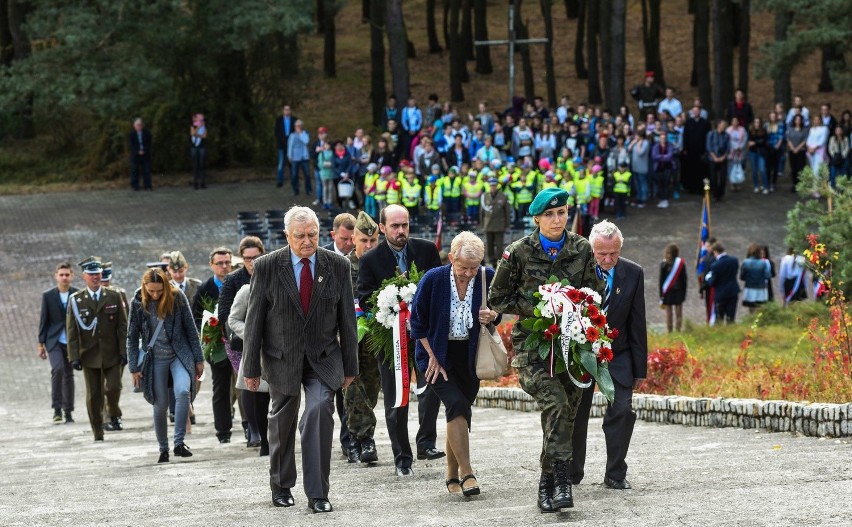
{"x": 439, "y": 227}
{"x": 703, "y": 235}
{"x": 577, "y": 224}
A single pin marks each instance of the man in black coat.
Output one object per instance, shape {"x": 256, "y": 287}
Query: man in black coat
{"x": 624, "y": 307}
{"x": 53, "y": 342}
{"x": 722, "y": 279}
{"x": 220, "y": 367}
{"x": 398, "y": 251}
{"x": 139, "y": 146}
{"x": 694, "y": 168}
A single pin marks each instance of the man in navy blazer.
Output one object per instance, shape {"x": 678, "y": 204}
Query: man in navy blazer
{"x": 624, "y": 307}
{"x": 53, "y": 342}
{"x": 139, "y": 146}
{"x": 376, "y": 266}
{"x": 723, "y": 279}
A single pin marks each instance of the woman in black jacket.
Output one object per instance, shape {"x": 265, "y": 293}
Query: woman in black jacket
{"x": 672, "y": 286}
{"x": 175, "y": 350}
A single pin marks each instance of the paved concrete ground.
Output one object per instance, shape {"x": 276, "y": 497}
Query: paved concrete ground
{"x": 56, "y": 475}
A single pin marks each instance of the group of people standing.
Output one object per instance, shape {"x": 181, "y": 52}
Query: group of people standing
{"x": 139, "y": 147}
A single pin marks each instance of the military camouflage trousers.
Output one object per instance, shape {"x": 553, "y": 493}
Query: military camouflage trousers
{"x": 361, "y": 396}
{"x": 557, "y": 398}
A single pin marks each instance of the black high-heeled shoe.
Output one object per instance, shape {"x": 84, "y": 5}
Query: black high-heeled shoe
{"x": 470, "y": 491}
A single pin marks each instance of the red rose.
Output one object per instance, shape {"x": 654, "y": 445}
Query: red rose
{"x": 213, "y": 322}
{"x": 585, "y": 377}
{"x": 592, "y": 334}
{"x": 548, "y": 334}
{"x": 554, "y": 329}
{"x": 613, "y": 333}
{"x": 573, "y": 295}
{"x": 598, "y": 320}
{"x": 592, "y": 311}
{"x": 605, "y": 355}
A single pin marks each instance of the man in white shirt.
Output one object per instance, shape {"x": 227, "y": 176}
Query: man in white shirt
{"x": 53, "y": 342}
{"x": 342, "y": 234}
{"x": 798, "y": 108}
{"x": 670, "y": 104}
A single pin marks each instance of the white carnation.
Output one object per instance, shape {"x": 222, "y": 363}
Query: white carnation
{"x": 580, "y": 338}
{"x": 406, "y": 292}
{"x": 596, "y": 347}
{"x": 594, "y": 294}
{"x": 575, "y": 329}
{"x": 546, "y": 312}
{"x": 585, "y": 322}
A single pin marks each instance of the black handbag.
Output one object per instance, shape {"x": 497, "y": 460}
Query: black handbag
{"x": 146, "y": 365}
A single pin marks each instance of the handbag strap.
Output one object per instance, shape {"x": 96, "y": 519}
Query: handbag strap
{"x": 156, "y": 333}
{"x": 484, "y": 301}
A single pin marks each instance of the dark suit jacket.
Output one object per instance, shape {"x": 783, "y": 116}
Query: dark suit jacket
{"x": 453, "y": 157}
{"x": 133, "y": 143}
{"x": 627, "y": 314}
{"x": 723, "y": 278}
{"x": 279, "y": 338}
{"x": 280, "y": 136}
{"x": 52, "y": 320}
{"x": 233, "y": 282}
{"x": 206, "y": 290}
{"x": 379, "y": 264}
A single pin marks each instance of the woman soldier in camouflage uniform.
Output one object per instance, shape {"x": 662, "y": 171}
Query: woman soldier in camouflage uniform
{"x": 550, "y": 250}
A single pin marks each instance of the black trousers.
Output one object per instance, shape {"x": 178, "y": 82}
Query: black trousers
{"x": 726, "y": 309}
{"x": 61, "y": 379}
{"x": 718, "y": 179}
{"x": 428, "y": 405}
{"x": 618, "y": 423}
{"x": 256, "y": 407}
{"x": 223, "y": 378}
{"x": 341, "y": 414}
{"x": 140, "y": 164}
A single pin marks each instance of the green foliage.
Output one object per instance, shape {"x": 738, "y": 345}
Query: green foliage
{"x": 816, "y": 24}
{"x": 110, "y": 61}
{"x": 834, "y": 226}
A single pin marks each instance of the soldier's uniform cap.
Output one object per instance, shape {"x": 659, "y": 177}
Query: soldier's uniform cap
{"x": 162, "y": 266}
{"x": 549, "y": 198}
{"x": 365, "y": 224}
{"x": 176, "y": 260}
{"x": 106, "y": 273}
{"x": 91, "y": 265}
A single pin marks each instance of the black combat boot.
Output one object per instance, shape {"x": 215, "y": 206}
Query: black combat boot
{"x": 368, "y": 451}
{"x": 562, "y": 498}
{"x": 545, "y": 492}
{"x": 354, "y": 453}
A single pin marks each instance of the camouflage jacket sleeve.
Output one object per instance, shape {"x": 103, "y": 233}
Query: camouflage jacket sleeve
{"x": 506, "y": 293}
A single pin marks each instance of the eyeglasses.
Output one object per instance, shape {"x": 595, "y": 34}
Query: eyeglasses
{"x": 222, "y": 263}
{"x": 249, "y": 258}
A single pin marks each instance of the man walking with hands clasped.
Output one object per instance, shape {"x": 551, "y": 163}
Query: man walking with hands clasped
{"x": 624, "y": 307}
{"x": 53, "y": 342}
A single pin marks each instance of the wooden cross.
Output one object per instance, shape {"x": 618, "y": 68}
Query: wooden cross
{"x": 512, "y": 41}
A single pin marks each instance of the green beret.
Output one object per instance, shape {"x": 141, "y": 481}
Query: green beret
{"x": 365, "y": 224}
{"x": 549, "y": 198}
{"x": 176, "y": 260}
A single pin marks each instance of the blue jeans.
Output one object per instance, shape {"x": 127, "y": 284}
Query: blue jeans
{"x": 295, "y": 167}
{"x": 181, "y": 380}
{"x": 834, "y": 171}
{"x": 759, "y": 177}
{"x": 318, "y": 184}
{"x": 663, "y": 179}
{"x": 641, "y": 179}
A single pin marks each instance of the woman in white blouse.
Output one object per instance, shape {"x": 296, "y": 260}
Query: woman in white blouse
{"x": 446, "y": 315}
{"x": 815, "y": 145}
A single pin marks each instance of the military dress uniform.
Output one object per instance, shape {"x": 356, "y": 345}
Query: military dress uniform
{"x": 362, "y": 395}
{"x": 523, "y": 267}
{"x": 97, "y": 343}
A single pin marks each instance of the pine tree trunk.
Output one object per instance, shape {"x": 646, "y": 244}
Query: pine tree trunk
{"x": 446, "y": 24}
{"x": 745, "y": 41}
{"x": 431, "y": 31}
{"x": 651, "y": 24}
{"x": 288, "y": 55}
{"x": 329, "y": 34}
{"x": 365, "y": 11}
{"x": 320, "y": 16}
{"x": 723, "y": 55}
{"x": 397, "y": 49}
{"x": 832, "y": 58}
{"x": 781, "y": 79}
{"x": 550, "y": 74}
{"x": 456, "y": 53}
{"x": 6, "y": 50}
{"x": 593, "y": 19}
{"x": 605, "y": 47}
{"x": 701, "y": 54}
{"x": 480, "y": 33}
{"x": 580, "y": 41}
{"x": 377, "y": 59}
{"x": 522, "y": 31}
{"x": 572, "y": 9}
{"x": 467, "y": 31}
{"x": 618, "y": 59}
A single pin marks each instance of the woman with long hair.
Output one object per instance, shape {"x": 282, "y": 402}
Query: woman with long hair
{"x": 797, "y": 136}
{"x": 672, "y": 286}
{"x": 161, "y": 320}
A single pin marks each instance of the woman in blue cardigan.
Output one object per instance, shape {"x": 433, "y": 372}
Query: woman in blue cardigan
{"x": 447, "y": 331}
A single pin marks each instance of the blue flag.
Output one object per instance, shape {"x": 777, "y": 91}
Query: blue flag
{"x": 703, "y": 235}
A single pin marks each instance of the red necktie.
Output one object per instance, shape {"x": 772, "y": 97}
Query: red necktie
{"x": 306, "y": 283}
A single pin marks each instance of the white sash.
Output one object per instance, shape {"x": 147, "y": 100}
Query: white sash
{"x": 677, "y": 268}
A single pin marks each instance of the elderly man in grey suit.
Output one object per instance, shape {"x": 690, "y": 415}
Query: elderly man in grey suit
{"x": 301, "y": 329}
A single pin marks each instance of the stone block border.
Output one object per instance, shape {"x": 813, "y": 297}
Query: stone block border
{"x": 810, "y": 419}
